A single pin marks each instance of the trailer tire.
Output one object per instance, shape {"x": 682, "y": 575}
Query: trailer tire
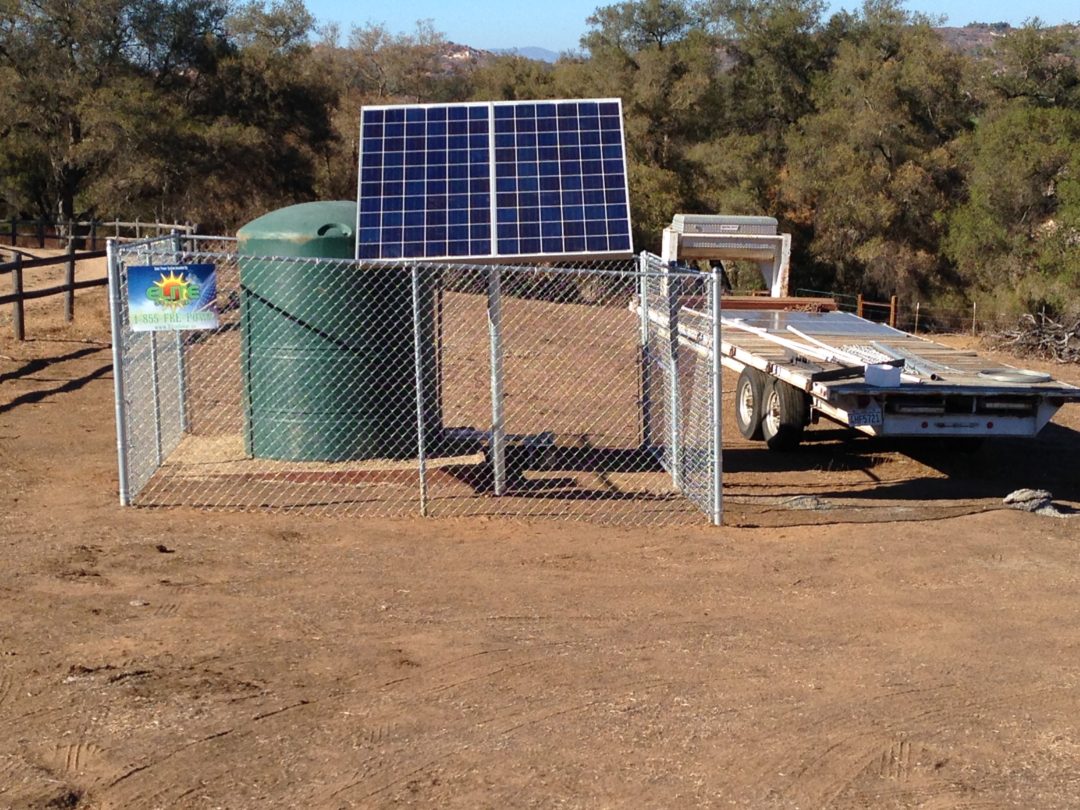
{"x": 784, "y": 416}
{"x": 749, "y": 403}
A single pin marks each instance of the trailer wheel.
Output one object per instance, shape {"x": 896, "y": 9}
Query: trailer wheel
{"x": 749, "y": 399}
{"x": 786, "y": 412}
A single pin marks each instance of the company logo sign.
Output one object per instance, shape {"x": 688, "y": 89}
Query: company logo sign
{"x": 172, "y": 297}
{"x": 173, "y": 290}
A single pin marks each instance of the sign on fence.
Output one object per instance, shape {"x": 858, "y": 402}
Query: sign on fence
{"x": 172, "y": 296}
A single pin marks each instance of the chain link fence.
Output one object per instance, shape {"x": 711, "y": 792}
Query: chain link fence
{"x": 438, "y": 389}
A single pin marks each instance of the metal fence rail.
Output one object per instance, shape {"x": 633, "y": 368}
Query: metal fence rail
{"x": 435, "y": 389}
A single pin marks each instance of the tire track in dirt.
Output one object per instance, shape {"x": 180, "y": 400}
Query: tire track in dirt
{"x": 399, "y": 764}
{"x": 81, "y": 762}
{"x": 161, "y": 780}
{"x": 10, "y": 765}
{"x": 432, "y": 687}
{"x": 895, "y": 761}
{"x": 904, "y": 774}
{"x": 829, "y": 762}
{"x": 834, "y": 771}
{"x": 7, "y": 687}
{"x": 251, "y": 655}
{"x": 166, "y": 610}
{"x": 36, "y": 712}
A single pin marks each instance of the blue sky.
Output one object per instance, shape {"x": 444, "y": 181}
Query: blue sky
{"x": 558, "y": 24}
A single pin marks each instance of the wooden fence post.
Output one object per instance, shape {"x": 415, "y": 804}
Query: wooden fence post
{"x": 14, "y": 231}
{"x": 41, "y": 232}
{"x": 17, "y": 311}
{"x": 93, "y": 234}
{"x": 892, "y": 312}
{"x": 69, "y": 281}
{"x": 859, "y": 305}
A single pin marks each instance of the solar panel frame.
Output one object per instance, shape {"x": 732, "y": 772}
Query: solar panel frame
{"x": 493, "y": 181}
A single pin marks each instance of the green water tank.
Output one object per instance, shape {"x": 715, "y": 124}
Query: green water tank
{"x": 327, "y": 346}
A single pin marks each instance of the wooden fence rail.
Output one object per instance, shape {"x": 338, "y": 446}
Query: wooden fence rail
{"x": 92, "y": 232}
{"x": 19, "y": 295}
{"x": 861, "y": 305}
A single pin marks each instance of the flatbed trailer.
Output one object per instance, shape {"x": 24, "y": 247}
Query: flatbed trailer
{"x": 797, "y": 367}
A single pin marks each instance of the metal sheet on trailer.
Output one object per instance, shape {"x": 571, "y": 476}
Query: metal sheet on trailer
{"x": 840, "y": 324}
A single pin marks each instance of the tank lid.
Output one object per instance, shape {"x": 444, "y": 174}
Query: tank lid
{"x": 325, "y": 219}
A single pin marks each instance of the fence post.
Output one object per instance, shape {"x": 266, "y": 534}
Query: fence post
{"x": 646, "y": 382}
{"x": 115, "y": 303}
{"x": 498, "y": 417}
{"x": 674, "y": 405}
{"x": 716, "y": 416}
{"x": 138, "y": 230}
{"x": 974, "y": 309}
{"x": 421, "y": 454}
{"x": 93, "y": 234}
{"x": 181, "y": 372}
{"x": 69, "y": 282}
{"x": 41, "y": 232}
{"x": 916, "y": 330}
{"x": 17, "y": 306}
{"x": 859, "y": 305}
{"x": 155, "y": 391}
{"x": 14, "y": 232}
{"x": 892, "y": 311}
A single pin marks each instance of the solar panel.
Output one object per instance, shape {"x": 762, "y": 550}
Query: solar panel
{"x": 493, "y": 180}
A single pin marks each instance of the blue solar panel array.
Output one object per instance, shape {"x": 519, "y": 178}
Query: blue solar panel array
{"x": 493, "y": 180}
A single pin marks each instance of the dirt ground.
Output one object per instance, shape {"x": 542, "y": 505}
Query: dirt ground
{"x": 904, "y": 643}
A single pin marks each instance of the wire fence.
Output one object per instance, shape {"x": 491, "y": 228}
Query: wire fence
{"x": 334, "y": 386}
{"x": 917, "y": 318}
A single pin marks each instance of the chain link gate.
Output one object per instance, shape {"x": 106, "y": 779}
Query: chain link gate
{"x": 337, "y": 386}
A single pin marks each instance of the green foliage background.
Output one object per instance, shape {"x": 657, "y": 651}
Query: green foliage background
{"x": 900, "y": 165}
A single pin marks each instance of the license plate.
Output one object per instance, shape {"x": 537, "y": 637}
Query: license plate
{"x": 869, "y": 417}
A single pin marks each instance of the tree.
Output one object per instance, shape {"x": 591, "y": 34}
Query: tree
{"x": 778, "y": 48}
{"x": 53, "y": 53}
{"x": 638, "y": 25}
{"x": 1038, "y": 64}
{"x": 1017, "y": 235}
{"x": 262, "y": 119}
{"x": 149, "y": 106}
{"x": 402, "y": 67}
{"x": 657, "y": 57}
{"x": 772, "y": 53}
{"x": 871, "y": 170}
{"x": 509, "y": 77}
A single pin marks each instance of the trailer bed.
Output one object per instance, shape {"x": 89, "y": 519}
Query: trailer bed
{"x": 944, "y": 391}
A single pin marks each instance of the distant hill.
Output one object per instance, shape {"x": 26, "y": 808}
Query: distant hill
{"x": 974, "y": 39}
{"x": 534, "y": 53}
{"x": 977, "y": 39}
{"x": 456, "y": 55}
